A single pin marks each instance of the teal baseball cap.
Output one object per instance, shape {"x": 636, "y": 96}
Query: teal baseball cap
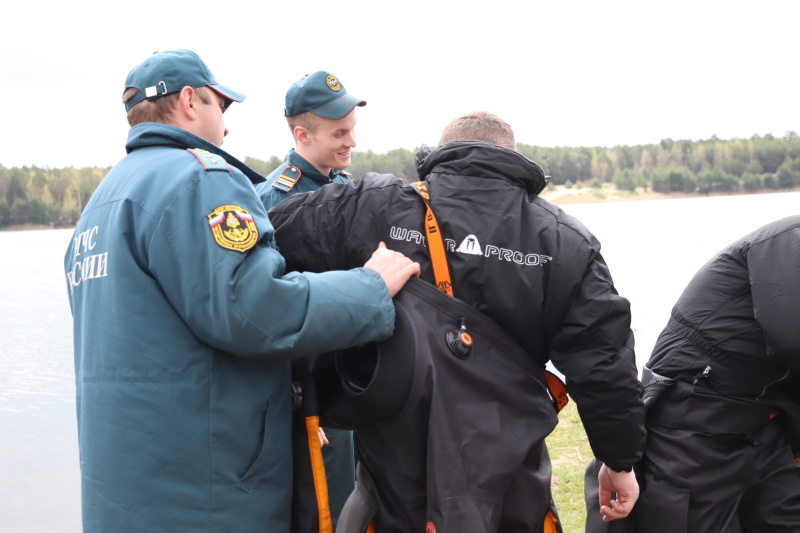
{"x": 169, "y": 72}
{"x": 321, "y": 93}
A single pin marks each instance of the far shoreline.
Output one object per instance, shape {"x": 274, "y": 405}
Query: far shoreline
{"x": 561, "y": 195}
{"x": 555, "y": 194}
{"x": 26, "y": 227}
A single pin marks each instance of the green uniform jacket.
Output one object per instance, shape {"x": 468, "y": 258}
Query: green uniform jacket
{"x": 184, "y": 327}
{"x": 310, "y": 179}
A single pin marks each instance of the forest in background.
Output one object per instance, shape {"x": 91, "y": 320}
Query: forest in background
{"x": 55, "y": 197}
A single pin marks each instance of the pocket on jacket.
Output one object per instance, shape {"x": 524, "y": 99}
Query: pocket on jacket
{"x": 263, "y": 459}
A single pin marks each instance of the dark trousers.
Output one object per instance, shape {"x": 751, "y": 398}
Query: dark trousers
{"x": 340, "y": 469}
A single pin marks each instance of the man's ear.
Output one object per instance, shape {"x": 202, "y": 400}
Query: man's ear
{"x": 302, "y": 135}
{"x": 188, "y": 100}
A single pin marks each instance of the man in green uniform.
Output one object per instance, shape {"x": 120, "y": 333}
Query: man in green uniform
{"x": 321, "y": 115}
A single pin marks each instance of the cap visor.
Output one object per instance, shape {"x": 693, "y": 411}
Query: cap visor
{"x": 339, "y": 108}
{"x": 230, "y": 94}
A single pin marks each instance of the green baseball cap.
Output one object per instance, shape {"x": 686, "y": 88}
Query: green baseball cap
{"x": 321, "y": 93}
{"x": 169, "y": 72}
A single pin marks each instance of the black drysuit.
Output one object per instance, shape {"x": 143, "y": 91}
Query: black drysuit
{"x": 517, "y": 259}
{"x": 723, "y": 397}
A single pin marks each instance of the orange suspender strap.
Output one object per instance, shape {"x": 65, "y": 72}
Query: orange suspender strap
{"x": 318, "y": 472}
{"x": 435, "y": 243}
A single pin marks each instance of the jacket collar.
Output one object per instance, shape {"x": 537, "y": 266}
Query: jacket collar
{"x": 148, "y": 134}
{"x": 310, "y": 170}
{"x": 478, "y": 158}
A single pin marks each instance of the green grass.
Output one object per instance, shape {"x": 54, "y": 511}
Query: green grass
{"x": 569, "y": 454}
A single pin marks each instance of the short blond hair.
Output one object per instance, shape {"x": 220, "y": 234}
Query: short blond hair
{"x": 307, "y": 120}
{"x": 479, "y": 126}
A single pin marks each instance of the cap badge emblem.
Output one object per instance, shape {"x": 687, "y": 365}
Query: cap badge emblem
{"x": 333, "y": 83}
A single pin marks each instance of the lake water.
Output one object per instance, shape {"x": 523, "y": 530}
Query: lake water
{"x": 653, "y": 248}
{"x": 39, "y": 476}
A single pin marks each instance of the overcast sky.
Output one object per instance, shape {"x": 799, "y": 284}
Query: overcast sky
{"x": 580, "y": 73}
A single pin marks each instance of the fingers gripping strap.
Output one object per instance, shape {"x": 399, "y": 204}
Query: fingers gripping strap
{"x": 318, "y": 471}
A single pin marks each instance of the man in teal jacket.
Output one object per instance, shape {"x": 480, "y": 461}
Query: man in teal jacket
{"x": 322, "y": 116}
{"x": 185, "y": 322}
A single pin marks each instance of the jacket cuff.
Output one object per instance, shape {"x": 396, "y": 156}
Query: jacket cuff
{"x": 619, "y": 467}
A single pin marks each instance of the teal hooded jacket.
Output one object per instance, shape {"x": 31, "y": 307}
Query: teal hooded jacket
{"x": 185, "y": 323}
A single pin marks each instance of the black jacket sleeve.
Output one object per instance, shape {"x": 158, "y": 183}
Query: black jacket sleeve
{"x": 594, "y": 349}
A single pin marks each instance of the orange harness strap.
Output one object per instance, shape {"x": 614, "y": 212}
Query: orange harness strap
{"x": 435, "y": 243}
{"x": 557, "y": 390}
{"x": 318, "y": 469}
{"x": 550, "y": 523}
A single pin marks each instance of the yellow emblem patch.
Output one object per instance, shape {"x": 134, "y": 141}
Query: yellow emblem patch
{"x": 233, "y": 228}
{"x": 333, "y": 83}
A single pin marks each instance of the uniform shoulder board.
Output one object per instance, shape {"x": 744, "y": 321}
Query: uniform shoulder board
{"x": 287, "y": 179}
{"x": 208, "y": 160}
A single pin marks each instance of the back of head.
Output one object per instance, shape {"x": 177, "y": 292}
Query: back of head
{"x": 479, "y": 126}
{"x": 152, "y": 86}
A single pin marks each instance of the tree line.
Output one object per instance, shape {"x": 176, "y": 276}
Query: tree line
{"x": 713, "y": 165}
{"x": 56, "y": 197}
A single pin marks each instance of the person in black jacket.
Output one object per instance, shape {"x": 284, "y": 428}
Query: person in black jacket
{"x": 515, "y": 258}
{"x": 723, "y": 396}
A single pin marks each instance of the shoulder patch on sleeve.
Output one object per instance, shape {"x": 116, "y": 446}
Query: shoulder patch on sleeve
{"x": 209, "y": 161}
{"x": 233, "y": 228}
{"x": 287, "y": 179}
